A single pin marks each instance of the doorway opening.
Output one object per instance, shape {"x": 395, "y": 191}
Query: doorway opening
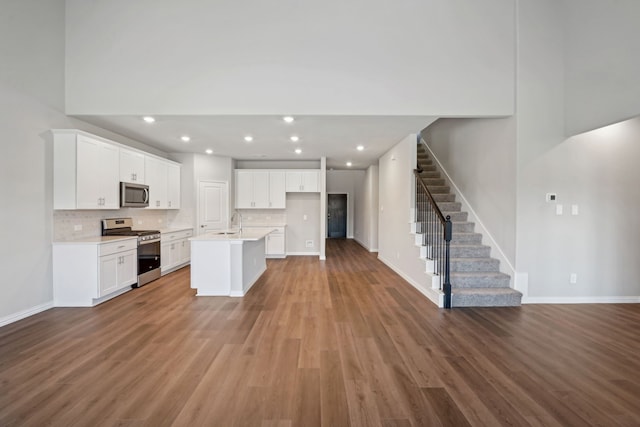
{"x": 337, "y": 216}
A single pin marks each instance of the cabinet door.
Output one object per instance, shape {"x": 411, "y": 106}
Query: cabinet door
{"x": 131, "y": 166}
{"x": 275, "y": 244}
{"x": 277, "y": 191}
{"x": 156, "y": 176}
{"x": 127, "y": 268}
{"x": 293, "y": 181}
{"x": 173, "y": 186}
{"x": 310, "y": 181}
{"x": 244, "y": 189}
{"x": 96, "y": 174}
{"x": 167, "y": 255}
{"x": 261, "y": 189}
{"x": 185, "y": 251}
{"x": 108, "y": 274}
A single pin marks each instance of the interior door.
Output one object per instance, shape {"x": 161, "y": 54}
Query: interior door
{"x": 213, "y": 206}
{"x": 337, "y": 215}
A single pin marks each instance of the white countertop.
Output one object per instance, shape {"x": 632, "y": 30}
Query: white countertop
{"x": 174, "y": 229}
{"x": 233, "y": 235}
{"x": 95, "y": 240}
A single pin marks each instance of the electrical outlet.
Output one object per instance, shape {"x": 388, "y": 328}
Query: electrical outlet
{"x": 77, "y": 227}
{"x": 139, "y": 222}
{"x": 304, "y": 217}
{"x": 308, "y": 243}
{"x": 551, "y": 197}
{"x": 573, "y": 278}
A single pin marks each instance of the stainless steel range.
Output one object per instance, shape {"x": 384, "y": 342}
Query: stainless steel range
{"x": 148, "y": 247}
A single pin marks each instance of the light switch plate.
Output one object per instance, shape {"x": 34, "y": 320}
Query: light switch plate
{"x": 574, "y": 209}
{"x": 558, "y": 209}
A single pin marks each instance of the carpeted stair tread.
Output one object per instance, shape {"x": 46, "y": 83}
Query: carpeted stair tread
{"x": 477, "y": 279}
{"x": 483, "y": 264}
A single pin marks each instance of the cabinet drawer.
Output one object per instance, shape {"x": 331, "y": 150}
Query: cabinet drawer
{"x": 176, "y": 235}
{"x": 115, "y": 247}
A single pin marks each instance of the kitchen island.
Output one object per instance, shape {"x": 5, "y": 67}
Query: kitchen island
{"x": 227, "y": 263}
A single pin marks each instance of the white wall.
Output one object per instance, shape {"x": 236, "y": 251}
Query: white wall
{"x": 596, "y": 171}
{"x": 299, "y": 229}
{"x": 480, "y": 157}
{"x": 372, "y": 206}
{"x": 396, "y": 244}
{"x": 375, "y": 57}
{"x": 602, "y": 63}
{"x": 350, "y": 182}
{"x": 30, "y": 101}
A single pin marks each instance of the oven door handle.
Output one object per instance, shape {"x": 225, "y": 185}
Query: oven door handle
{"x": 148, "y": 242}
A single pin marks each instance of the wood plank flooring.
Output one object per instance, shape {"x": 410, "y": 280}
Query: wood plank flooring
{"x": 345, "y": 342}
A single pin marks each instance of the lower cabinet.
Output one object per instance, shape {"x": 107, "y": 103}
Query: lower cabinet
{"x": 274, "y": 245}
{"x": 117, "y": 271}
{"x": 90, "y": 272}
{"x": 175, "y": 250}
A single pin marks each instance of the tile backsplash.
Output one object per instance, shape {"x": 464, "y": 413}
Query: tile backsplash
{"x": 78, "y": 224}
{"x": 263, "y": 216}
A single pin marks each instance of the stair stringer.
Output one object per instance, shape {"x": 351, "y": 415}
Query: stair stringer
{"x": 496, "y": 251}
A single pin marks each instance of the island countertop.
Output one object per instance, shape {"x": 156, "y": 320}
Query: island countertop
{"x": 233, "y": 235}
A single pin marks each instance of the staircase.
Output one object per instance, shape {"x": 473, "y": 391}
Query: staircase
{"x": 475, "y": 277}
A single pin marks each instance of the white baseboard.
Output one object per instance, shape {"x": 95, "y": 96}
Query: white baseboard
{"x": 25, "y": 313}
{"x": 581, "y": 300}
{"x": 358, "y": 241}
{"x": 303, "y": 253}
{"x": 435, "y": 296}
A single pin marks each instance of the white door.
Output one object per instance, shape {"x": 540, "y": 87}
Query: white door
{"x": 213, "y": 206}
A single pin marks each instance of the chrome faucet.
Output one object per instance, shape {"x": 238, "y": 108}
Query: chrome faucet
{"x": 238, "y": 216}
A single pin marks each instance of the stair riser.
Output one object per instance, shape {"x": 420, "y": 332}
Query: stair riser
{"x": 486, "y": 301}
{"x": 429, "y": 168}
{"x": 454, "y": 216}
{"x": 450, "y": 206}
{"x": 466, "y": 238}
{"x": 470, "y": 251}
{"x": 433, "y": 182}
{"x": 444, "y": 198}
{"x": 438, "y": 189}
{"x": 486, "y": 264}
{"x": 480, "y": 281}
{"x": 430, "y": 174}
{"x": 457, "y": 227}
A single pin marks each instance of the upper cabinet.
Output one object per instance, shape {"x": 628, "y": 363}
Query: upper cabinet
{"x": 87, "y": 171}
{"x": 260, "y": 189}
{"x": 303, "y": 181}
{"x": 131, "y": 166}
{"x": 163, "y": 179}
{"x": 173, "y": 186}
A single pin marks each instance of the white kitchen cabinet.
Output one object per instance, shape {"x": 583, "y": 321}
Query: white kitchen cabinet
{"x": 85, "y": 172}
{"x": 117, "y": 271}
{"x": 274, "y": 246}
{"x": 303, "y": 181}
{"x": 91, "y": 271}
{"x": 260, "y": 189}
{"x": 131, "y": 166}
{"x": 163, "y": 179}
{"x": 175, "y": 249}
{"x": 277, "y": 189}
{"x": 156, "y": 177}
{"x": 173, "y": 186}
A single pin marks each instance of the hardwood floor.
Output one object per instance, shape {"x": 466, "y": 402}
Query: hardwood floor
{"x": 344, "y": 342}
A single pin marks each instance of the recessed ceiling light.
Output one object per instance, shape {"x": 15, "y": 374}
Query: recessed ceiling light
{"x": 298, "y": 150}
{"x": 185, "y": 138}
{"x": 288, "y": 119}
{"x": 248, "y": 138}
{"x": 349, "y": 164}
{"x": 208, "y": 151}
{"x": 294, "y": 138}
{"x": 360, "y": 147}
{"x": 148, "y": 119}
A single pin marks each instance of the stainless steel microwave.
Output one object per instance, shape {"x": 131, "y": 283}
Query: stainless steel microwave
{"x": 134, "y": 195}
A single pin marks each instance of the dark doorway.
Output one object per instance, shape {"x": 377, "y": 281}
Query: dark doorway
{"x": 337, "y": 215}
